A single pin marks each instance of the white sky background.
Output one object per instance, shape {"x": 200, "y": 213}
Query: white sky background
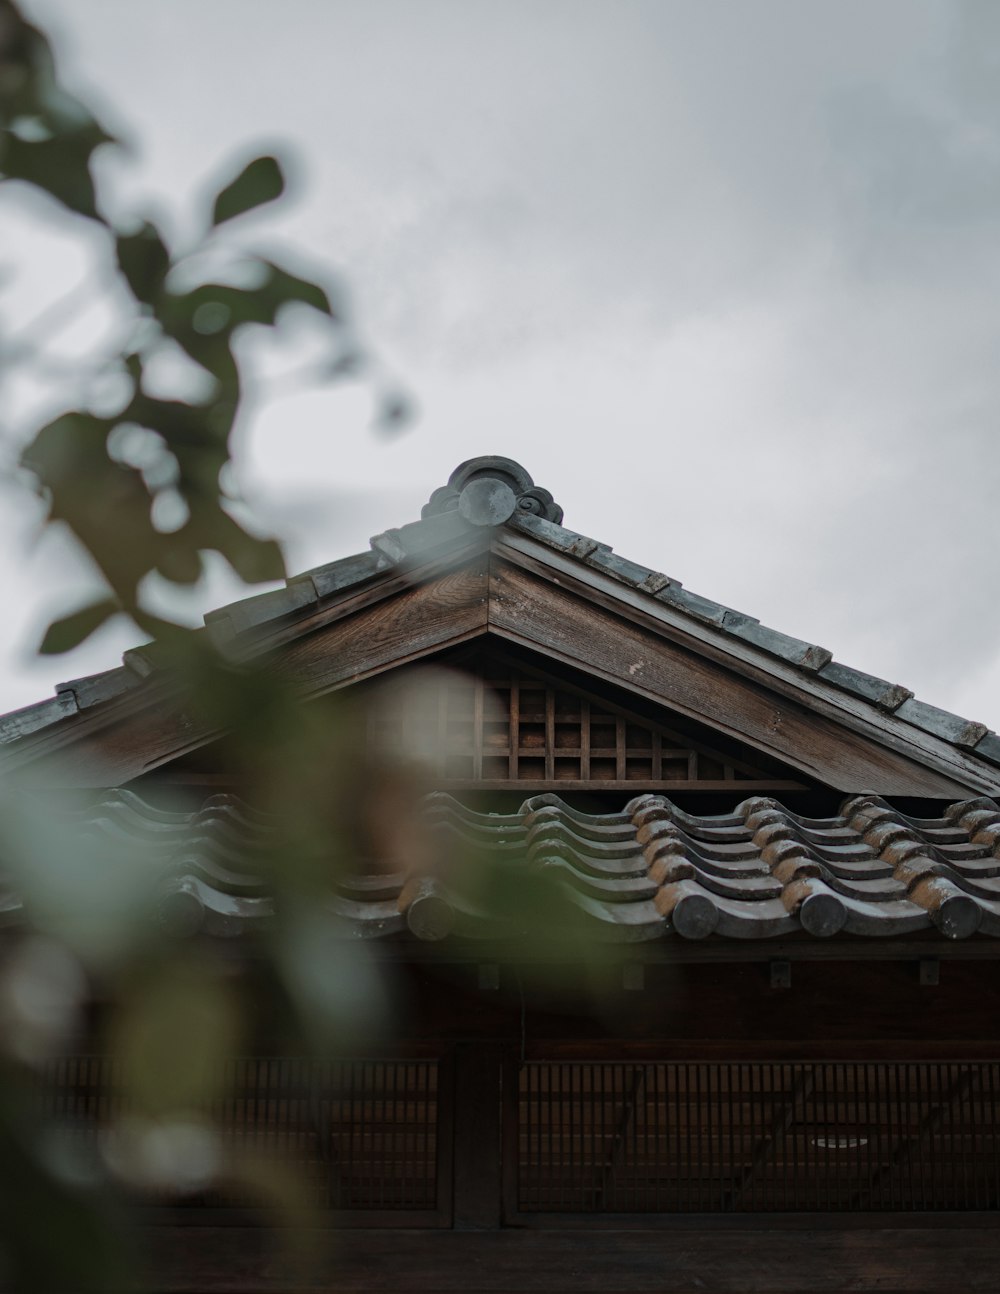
{"x": 723, "y": 276}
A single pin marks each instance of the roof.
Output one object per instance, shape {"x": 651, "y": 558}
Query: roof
{"x": 491, "y": 504}
{"x": 649, "y": 873}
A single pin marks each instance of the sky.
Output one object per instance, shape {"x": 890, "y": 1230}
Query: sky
{"x": 723, "y": 276}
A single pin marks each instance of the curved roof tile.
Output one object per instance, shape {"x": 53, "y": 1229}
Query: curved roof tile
{"x": 650, "y": 872}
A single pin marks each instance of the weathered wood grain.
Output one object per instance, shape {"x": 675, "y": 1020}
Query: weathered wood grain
{"x": 852, "y": 1003}
{"x": 785, "y": 679}
{"x": 567, "y": 615}
{"x": 409, "y": 626}
{"x": 406, "y": 627}
{"x": 536, "y": 613}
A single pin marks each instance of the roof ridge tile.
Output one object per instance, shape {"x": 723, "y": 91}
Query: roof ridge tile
{"x": 694, "y": 604}
{"x": 345, "y": 572}
{"x": 804, "y": 654}
{"x": 30, "y": 718}
{"x": 887, "y": 696}
{"x": 557, "y": 536}
{"x": 94, "y": 688}
{"x": 942, "y": 723}
{"x": 261, "y": 608}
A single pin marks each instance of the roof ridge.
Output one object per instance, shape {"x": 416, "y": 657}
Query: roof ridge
{"x": 484, "y": 495}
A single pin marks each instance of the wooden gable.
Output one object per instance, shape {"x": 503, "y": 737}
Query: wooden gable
{"x": 489, "y": 566}
{"x": 510, "y": 598}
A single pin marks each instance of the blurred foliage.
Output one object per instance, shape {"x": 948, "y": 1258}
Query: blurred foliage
{"x": 145, "y": 490}
{"x": 105, "y": 476}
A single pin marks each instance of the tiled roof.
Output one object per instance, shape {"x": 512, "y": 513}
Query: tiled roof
{"x": 650, "y": 872}
{"x": 492, "y": 494}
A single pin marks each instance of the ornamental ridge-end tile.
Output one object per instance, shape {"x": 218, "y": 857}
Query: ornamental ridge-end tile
{"x": 482, "y": 482}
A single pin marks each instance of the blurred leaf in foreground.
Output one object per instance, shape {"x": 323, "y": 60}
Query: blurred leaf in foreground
{"x": 260, "y": 181}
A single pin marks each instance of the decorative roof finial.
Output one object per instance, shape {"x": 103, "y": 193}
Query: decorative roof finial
{"x": 488, "y": 490}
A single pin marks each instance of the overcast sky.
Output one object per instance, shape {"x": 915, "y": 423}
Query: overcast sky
{"x": 723, "y": 276}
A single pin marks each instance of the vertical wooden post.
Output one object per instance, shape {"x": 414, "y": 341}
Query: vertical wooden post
{"x": 476, "y": 1177}
{"x": 514, "y": 730}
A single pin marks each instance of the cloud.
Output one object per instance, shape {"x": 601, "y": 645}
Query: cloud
{"x": 723, "y": 276}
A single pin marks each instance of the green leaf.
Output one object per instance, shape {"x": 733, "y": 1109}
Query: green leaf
{"x": 196, "y": 434}
{"x": 51, "y": 1188}
{"x": 254, "y": 560}
{"x": 60, "y": 166}
{"x": 260, "y": 181}
{"x": 283, "y": 287}
{"x": 203, "y": 320}
{"x": 180, "y": 563}
{"x": 47, "y": 136}
{"x": 69, "y": 631}
{"x": 332, "y": 986}
{"x": 100, "y": 500}
{"x": 173, "y": 1034}
{"x": 67, "y": 448}
{"x": 144, "y": 260}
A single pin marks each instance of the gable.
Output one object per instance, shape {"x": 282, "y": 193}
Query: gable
{"x": 490, "y": 562}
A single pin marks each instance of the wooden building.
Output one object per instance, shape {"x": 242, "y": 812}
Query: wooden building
{"x": 770, "y": 1059}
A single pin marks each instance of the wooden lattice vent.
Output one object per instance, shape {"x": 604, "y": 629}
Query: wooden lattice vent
{"x": 499, "y": 723}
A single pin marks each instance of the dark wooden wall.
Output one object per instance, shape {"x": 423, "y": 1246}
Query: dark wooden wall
{"x": 718, "y": 1008}
{"x": 703, "y": 1010}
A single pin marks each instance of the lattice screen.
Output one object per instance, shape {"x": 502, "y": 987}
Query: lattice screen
{"x": 358, "y": 1134}
{"x": 742, "y": 1138}
{"x": 505, "y": 725}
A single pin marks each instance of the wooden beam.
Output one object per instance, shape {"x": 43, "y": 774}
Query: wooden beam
{"x": 671, "y": 625}
{"x": 477, "y": 1167}
{"x": 547, "y": 618}
{"x": 414, "y": 624}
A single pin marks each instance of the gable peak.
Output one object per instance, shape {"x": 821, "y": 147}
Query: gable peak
{"x": 489, "y": 490}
